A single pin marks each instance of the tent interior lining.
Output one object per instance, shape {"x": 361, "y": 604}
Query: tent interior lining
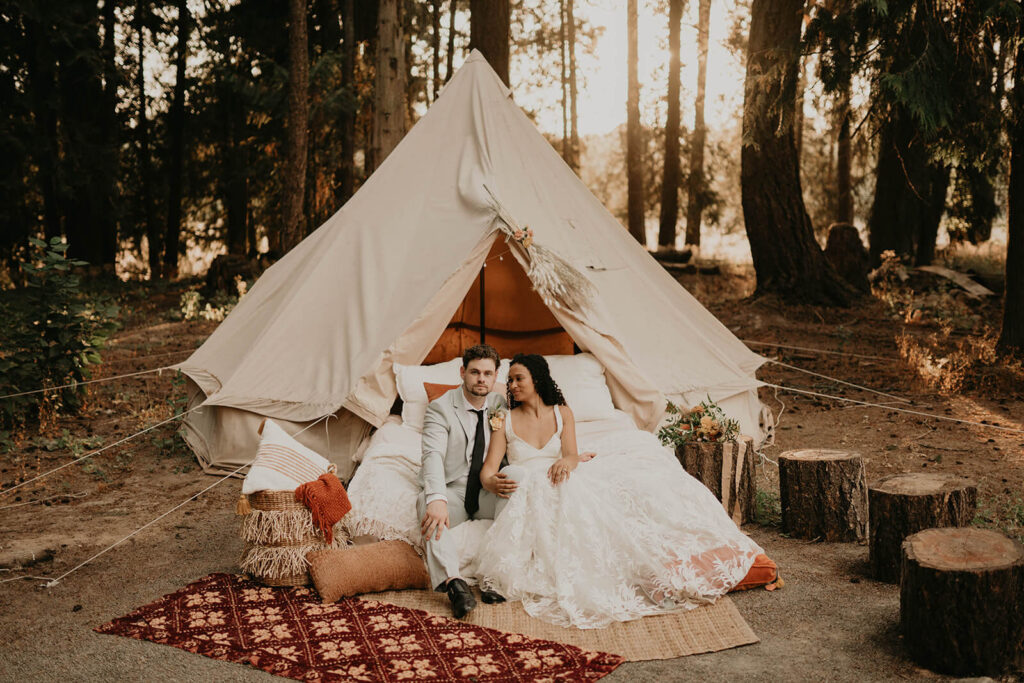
{"x": 512, "y": 317}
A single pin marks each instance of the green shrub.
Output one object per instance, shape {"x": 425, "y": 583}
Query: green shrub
{"x": 767, "y": 508}
{"x": 50, "y": 336}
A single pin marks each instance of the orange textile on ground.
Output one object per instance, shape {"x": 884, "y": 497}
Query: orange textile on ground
{"x": 327, "y": 499}
{"x": 764, "y": 572}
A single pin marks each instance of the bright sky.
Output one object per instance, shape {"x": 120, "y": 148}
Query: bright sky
{"x": 602, "y": 105}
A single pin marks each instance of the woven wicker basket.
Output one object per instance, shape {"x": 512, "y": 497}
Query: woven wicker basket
{"x": 278, "y": 532}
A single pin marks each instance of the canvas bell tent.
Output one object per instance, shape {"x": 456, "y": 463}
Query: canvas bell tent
{"x": 398, "y": 275}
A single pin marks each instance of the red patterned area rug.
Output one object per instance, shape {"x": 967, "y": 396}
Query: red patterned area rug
{"x": 289, "y": 632}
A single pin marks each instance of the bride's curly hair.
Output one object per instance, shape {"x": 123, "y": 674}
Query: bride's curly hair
{"x": 545, "y": 385}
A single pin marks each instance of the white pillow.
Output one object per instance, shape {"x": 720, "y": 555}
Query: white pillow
{"x": 581, "y": 379}
{"x": 282, "y": 463}
{"x": 410, "y": 379}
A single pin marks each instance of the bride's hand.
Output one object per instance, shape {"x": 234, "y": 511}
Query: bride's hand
{"x": 500, "y": 485}
{"x": 584, "y": 457}
{"x": 559, "y": 472}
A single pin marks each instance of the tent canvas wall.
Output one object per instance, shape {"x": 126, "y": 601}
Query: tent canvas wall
{"x": 394, "y": 276}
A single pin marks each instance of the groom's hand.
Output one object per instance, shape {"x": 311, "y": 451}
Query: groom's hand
{"x": 435, "y": 520}
{"x": 500, "y": 485}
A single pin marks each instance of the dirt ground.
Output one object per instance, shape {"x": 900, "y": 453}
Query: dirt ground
{"x": 830, "y": 622}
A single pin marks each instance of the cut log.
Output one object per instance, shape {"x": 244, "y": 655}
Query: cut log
{"x": 727, "y": 469}
{"x": 962, "y": 601}
{"x": 903, "y": 504}
{"x": 823, "y": 494}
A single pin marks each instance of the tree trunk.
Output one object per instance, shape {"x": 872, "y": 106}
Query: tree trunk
{"x": 844, "y": 162}
{"x": 42, "y": 85}
{"x": 844, "y": 152}
{"x": 695, "y": 185}
{"x": 823, "y": 495}
{"x": 176, "y": 146}
{"x": 903, "y": 504}
{"x": 1011, "y": 338}
{"x": 574, "y": 135}
{"x": 453, "y": 5}
{"x": 798, "y": 117}
{"x": 563, "y": 79}
{"x": 345, "y": 179}
{"x": 634, "y": 135}
{"x": 389, "y": 84}
{"x": 110, "y": 153}
{"x": 787, "y": 259}
{"x": 435, "y": 44}
{"x": 910, "y": 193}
{"x": 936, "y": 185}
{"x": 85, "y": 175}
{"x": 489, "y": 33}
{"x": 961, "y": 593}
{"x": 235, "y": 177}
{"x": 670, "y": 179}
{"x": 153, "y": 233}
{"x": 296, "y": 148}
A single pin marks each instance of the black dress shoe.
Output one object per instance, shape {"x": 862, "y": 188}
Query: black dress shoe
{"x": 491, "y": 597}
{"x": 461, "y": 598}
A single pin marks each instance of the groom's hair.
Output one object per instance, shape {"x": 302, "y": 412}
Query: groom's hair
{"x": 480, "y": 351}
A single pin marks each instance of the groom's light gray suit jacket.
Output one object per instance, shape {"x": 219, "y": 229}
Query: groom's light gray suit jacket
{"x": 447, "y": 428}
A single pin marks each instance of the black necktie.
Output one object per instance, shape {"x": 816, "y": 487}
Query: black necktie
{"x": 476, "y": 463}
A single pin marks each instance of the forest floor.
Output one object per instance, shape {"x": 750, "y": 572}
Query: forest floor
{"x": 830, "y": 622}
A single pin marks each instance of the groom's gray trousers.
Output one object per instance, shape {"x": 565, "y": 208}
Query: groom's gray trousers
{"x": 442, "y": 554}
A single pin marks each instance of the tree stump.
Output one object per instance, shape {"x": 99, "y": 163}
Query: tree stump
{"x": 962, "y": 601}
{"x": 903, "y": 504}
{"x": 727, "y": 469}
{"x": 823, "y": 495}
{"x": 847, "y": 254}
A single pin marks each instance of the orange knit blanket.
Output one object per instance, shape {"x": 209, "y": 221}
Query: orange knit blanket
{"x": 327, "y": 499}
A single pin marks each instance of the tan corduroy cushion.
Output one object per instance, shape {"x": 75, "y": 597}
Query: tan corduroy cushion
{"x": 388, "y": 565}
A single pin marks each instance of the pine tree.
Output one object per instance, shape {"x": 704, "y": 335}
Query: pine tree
{"x": 787, "y": 259}
{"x": 672, "y": 172}
{"x": 634, "y": 139}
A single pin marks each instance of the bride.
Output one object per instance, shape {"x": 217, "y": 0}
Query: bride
{"x": 587, "y": 540}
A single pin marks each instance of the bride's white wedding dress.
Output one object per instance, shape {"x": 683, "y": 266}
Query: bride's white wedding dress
{"x": 630, "y": 533}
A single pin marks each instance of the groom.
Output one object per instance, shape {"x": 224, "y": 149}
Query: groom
{"x": 456, "y": 433}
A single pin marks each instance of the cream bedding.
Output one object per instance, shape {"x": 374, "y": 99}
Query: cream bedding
{"x": 386, "y": 484}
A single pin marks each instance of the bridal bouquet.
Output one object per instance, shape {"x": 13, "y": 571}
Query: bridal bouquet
{"x": 704, "y": 423}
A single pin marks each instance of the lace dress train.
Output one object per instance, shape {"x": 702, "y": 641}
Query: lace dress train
{"x": 629, "y": 534}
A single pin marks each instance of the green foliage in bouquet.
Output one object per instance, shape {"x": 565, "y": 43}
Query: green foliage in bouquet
{"x": 52, "y": 333}
{"x": 705, "y": 423}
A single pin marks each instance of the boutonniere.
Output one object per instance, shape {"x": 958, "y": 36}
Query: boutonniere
{"x": 496, "y": 418}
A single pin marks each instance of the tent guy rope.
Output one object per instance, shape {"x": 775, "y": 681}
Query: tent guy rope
{"x": 147, "y": 357}
{"x": 840, "y": 381}
{"x": 99, "y": 450}
{"x": 53, "y": 582}
{"x": 89, "y": 381}
{"x": 50, "y": 583}
{"x": 812, "y": 350}
{"x": 1012, "y": 430}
